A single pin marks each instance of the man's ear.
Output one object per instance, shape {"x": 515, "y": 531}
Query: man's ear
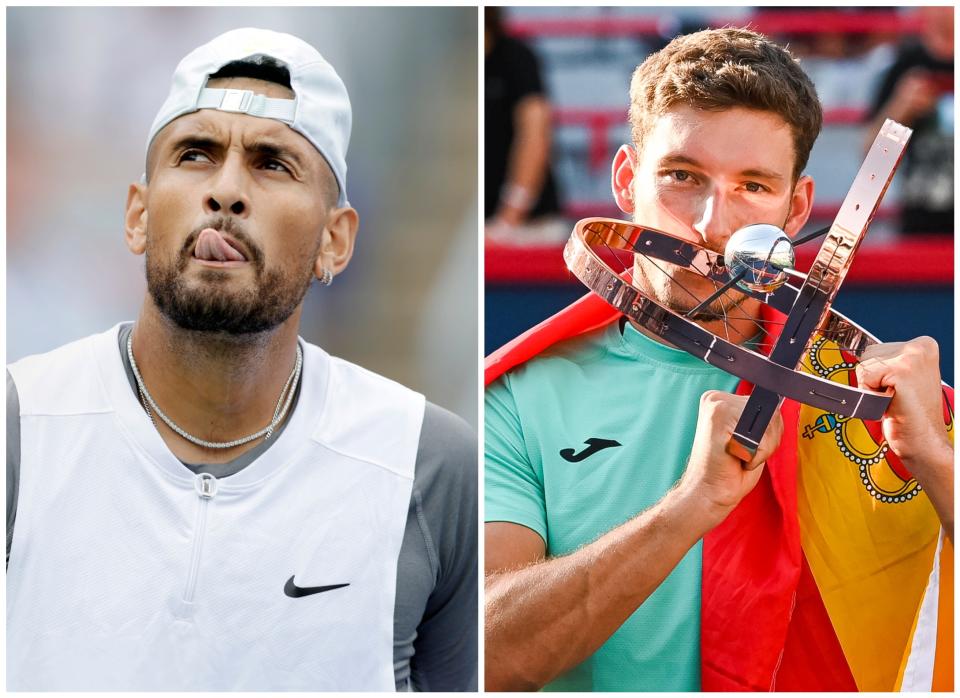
{"x": 801, "y": 204}
{"x": 621, "y": 180}
{"x": 135, "y": 220}
{"x": 337, "y": 240}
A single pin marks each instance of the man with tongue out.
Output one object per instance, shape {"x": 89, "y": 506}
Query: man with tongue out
{"x": 203, "y": 501}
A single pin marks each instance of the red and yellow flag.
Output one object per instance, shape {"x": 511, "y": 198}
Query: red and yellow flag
{"x": 833, "y": 573}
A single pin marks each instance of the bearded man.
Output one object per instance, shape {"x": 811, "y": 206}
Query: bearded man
{"x": 203, "y": 501}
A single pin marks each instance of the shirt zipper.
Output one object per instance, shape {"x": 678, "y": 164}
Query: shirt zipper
{"x": 206, "y": 487}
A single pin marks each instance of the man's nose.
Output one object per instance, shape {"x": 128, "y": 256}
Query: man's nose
{"x": 227, "y": 191}
{"x": 714, "y": 221}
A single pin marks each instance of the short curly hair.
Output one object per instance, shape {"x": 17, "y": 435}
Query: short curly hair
{"x": 718, "y": 69}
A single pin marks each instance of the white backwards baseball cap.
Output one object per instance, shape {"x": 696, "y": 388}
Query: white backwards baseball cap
{"x": 320, "y": 112}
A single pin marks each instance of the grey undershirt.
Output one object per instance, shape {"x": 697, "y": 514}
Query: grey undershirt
{"x": 435, "y": 615}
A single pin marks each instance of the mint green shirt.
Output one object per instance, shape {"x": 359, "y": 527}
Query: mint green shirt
{"x": 625, "y": 389}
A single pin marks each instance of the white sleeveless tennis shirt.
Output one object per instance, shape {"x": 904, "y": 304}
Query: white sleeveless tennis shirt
{"x": 128, "y": 572}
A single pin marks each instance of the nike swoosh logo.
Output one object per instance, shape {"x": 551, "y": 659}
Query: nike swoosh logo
{"x": 594, "y": 445}
{"x": 295, "y": 592}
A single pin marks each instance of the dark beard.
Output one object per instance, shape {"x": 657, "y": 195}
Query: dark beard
{"x": 682, "y": 302}
{"x": 209, "y": 308}
{"x": 728, "y": 304}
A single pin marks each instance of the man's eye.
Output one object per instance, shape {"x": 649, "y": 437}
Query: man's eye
{"x": 275, "y": 165}
{"x": 680, "y": 176}
{"x": 754, "y": 187}
{"x": 194, "y": 156}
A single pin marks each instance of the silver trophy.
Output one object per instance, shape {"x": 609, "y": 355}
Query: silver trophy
{"x": 759, "y": 261}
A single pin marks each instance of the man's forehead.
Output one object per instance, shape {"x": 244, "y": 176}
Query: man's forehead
{"x": 688, "y": 121}
{"x": 221, "y": 127}
{"x": 755, "y": 138}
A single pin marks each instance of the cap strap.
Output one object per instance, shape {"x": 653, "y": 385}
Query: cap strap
{"x": 246, "y": 102}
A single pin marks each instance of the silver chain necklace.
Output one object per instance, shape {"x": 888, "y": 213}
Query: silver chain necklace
{"x": 278, "y": 414}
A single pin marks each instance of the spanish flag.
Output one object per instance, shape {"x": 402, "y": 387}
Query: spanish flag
{"x": 833, "y": 574}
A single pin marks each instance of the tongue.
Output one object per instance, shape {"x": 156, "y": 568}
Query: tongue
{"x": 212, "y": 246}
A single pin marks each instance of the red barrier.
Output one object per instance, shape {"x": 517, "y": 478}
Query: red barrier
{"x": 612, "y": 117}
{"x": 600, "y": 121}
{"x": 919, "y": 261}
{"x": 778, "y": 22}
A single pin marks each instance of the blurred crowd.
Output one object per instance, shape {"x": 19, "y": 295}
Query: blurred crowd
{"x": 556, "y": 84}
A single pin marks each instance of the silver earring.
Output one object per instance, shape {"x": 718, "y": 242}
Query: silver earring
{"x": 327, "y": 277}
